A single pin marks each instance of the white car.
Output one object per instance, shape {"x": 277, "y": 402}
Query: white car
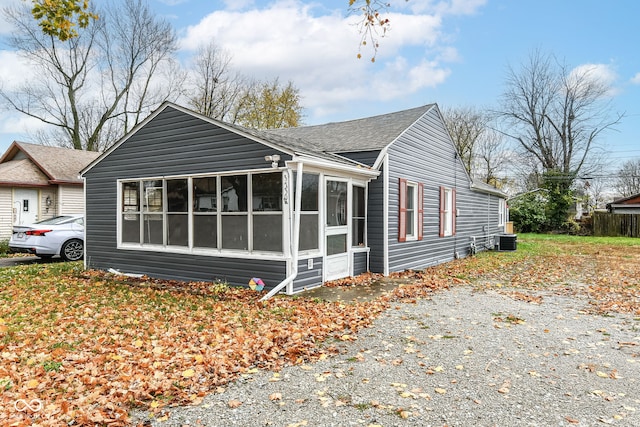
{"x": 60, "y": 235}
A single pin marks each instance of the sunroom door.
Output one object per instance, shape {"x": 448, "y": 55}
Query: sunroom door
{"x": 336, "y": 230}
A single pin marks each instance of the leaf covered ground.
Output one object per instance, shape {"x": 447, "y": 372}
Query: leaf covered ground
{"x": 88, "y": 346}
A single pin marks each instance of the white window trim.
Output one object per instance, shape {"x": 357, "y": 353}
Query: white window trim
{"x": 190, "y": 249}
{"x": 448, "y": 212}
{"x": 414, "y": 235}
{"x": 502, "y": 211}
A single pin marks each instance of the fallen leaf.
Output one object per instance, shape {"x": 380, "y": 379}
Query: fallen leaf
{"x": 233, "y": 403}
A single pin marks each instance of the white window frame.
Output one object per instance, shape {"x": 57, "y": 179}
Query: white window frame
{"x": 414, "y": 212}
{"x": 448, "y": 212}
{"x": 502, "y": 211}
{"x": 218, "y": 213}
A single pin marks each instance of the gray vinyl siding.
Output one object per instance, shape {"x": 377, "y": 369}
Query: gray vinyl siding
{"x": 375, "y": 223}
{"x": 359, "y": 263}
{"x": 364, "y": 157}
{"x": 425, "y": 154}
{"x": 172, "y": 143}
{"x": 308, "y": 277}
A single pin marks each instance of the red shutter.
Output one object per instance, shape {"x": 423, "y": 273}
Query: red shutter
{"x": 402, "y": 216}
{"x": 420, "y": 210}
{"x": 441, "y": 211}
{"x": 454, "y": 212}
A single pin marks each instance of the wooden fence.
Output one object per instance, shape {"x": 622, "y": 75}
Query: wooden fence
{"x": 607, "y": 224}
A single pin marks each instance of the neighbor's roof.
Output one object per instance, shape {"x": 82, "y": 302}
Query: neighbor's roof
{"x": 25, "y": 163}
{"x": 367, "y": 134}
{"x": 633, "y": 199}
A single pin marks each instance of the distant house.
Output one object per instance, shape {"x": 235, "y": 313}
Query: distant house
{"x": 187, "y": 197}
{"x": 625, "y": 205}
{"x": 39, "y": 182}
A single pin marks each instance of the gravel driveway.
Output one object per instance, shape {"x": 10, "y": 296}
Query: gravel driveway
{"x": 462, "y": 358}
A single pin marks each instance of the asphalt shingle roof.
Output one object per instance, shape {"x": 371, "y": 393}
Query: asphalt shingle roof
{"x": 370, "y": 133}
{"x": 56, "y": 163}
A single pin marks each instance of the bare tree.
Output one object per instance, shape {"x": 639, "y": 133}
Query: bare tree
{"x": 596, "y": 190}
{"x": 627, "y": 181}
{"x": 557, "y": 114}
{"x": 491, "y": 158}
{"x": 466, "y": 125}
{"x": 215, "y": 89}
{"x": 481, "y": 148}
{"x": 96, "y": 86}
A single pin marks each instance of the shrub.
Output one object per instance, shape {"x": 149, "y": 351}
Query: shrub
{"x": 4, "y": 247}
{"x": 528, "y": 213}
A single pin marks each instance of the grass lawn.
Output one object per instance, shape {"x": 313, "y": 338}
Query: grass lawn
{"x": 90, "y": 346}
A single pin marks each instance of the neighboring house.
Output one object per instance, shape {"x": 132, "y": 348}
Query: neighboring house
{"x": 186, "y": 197}
{"x": 39, "y": 182}
{"x": 625, "y": 205}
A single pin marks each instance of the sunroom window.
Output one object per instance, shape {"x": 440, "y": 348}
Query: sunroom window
{"x": 235, "y": 225}
{"x": 267, "y": 212}
{"x": 205, "y": 212}
{"x": 152, "y": 212}
{"x": 177, "y": 212}
{"x": 358, "y": 218}
{"x": 131, "y": 212}
{"x": 309, "y": 214}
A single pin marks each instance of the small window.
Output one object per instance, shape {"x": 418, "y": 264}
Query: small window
{"x": 309, "y": 214}
{"x": 447, "y": 211}
{"x": 502, "y": 210}
{"x": 358, "y": 219}
{"x": 411, "y": 211}
{"x": 412, "y": 193}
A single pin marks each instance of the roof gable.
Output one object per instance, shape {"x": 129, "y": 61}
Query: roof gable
{"x": 52, "y": 164}
{"x": 284, "y": 143}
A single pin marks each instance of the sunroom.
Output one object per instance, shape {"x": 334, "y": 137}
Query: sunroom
{"x": 307, "y": 213}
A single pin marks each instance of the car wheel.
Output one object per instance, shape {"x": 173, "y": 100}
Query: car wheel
{"x": 72, "y": 250}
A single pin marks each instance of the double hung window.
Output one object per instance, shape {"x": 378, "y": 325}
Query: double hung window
{"x": 447, "y": 211}
{"x": 411, "y": 212}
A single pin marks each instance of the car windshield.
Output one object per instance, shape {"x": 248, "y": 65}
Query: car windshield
{"x": 56, "y": 220}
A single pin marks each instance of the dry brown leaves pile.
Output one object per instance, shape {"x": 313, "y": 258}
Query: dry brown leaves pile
{"x": 89, "y": 346}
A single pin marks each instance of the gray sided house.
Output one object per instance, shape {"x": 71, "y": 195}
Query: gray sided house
{"x": 187, "y": 197}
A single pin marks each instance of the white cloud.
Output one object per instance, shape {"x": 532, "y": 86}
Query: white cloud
{"x": 316, "y": 49}
{"x": 13, "y": 69}
{"x": 636, "y": 79}
{"x": 5, "y": 27}
{"x": 602, "y": 74}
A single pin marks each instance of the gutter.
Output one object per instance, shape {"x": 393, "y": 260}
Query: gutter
{"x": 295, "y": 238}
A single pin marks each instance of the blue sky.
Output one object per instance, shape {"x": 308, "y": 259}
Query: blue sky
{"x": 453, "y": 52}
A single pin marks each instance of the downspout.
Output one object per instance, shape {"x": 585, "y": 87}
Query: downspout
{"x": 294, "y": 238}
